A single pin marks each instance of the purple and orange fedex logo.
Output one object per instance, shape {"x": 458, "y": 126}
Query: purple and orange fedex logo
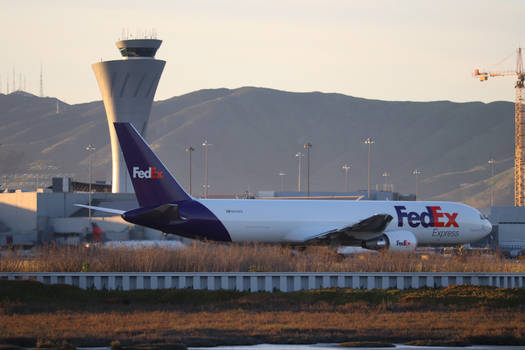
{"x": 403, "y": 243}
{"x": 150, "y": 173}
{"x": 432, "y": 217}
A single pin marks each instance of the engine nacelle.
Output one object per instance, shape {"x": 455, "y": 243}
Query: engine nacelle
{"x": 396, "y": 241}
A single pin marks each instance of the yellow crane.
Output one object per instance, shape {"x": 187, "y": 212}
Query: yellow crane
{"x": 519, "y": 126}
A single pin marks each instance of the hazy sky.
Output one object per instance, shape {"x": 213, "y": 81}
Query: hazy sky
{"x": 393, "y": 50}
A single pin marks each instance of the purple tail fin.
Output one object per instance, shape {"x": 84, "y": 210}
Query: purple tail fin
{"x": 152, "y": 181}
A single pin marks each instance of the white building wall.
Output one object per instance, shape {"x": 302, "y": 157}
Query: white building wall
{"x": 33, "y": 217}
{"x": 18, "y": 211}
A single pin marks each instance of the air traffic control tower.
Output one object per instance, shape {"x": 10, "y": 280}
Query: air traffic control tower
{"x": 128, "y": 87}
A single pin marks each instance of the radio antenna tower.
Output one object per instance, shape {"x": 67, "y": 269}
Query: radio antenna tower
{"x": 41, "y": 81}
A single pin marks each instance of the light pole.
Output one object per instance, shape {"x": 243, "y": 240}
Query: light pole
{"x": 369, "y": 142}
{"x": 282, "y": 175}
{"x": 299, "y": 156}
{"x": 346, "y": 168}
{"x": 492, "y": 162}
{"x": 189, "y": 150}
{"x": 205, "y": 144}
{"x": 90, "y": 148}
{"x": 417, "y": 173}
{"x": 307, "y": 146}
{"x": 385, "y": 175}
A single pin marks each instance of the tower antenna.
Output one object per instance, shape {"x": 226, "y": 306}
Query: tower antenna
{"x": 41, "y": 81}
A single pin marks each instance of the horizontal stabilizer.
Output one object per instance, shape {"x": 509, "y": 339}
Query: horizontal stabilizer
{"x": 163, "y": 214}
{"x": 105, "y": 210}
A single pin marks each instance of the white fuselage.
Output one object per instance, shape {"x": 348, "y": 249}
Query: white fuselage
{"x": 298, "y": 220}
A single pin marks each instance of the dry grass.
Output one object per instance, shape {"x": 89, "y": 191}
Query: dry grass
{"x": 211, "y": 257}
{"x": 482, "y": 315}
{"x": 273, "y": 326}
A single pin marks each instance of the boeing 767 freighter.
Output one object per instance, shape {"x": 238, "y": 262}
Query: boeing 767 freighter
{"x": 394, "y": 225}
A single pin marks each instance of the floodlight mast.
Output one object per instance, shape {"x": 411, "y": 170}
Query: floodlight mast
{"x": 307, "y": 147}
{"x": 299, "y": 156}
{"x": 369, "y": 142}
{"x": 90, "y": 148}
{"x": 206, "y": 144}
{"x": 417, "y": 172}
{"x": 346, "y": 168}
{"x": 190, "y": 149}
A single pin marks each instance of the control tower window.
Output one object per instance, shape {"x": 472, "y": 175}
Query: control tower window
{"x": 138, "y": 51}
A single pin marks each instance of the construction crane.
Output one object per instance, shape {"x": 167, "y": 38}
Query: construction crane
{"x": 519, "y": 126}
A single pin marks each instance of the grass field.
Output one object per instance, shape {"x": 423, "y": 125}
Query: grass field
{"x": 460, "y": 314}
{"x": 211, "y": 257}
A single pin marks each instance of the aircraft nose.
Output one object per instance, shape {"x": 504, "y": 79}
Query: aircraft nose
{"x": 487, "y": 227}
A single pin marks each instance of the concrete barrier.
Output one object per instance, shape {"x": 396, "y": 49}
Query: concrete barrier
{"x": 267, "y": 281}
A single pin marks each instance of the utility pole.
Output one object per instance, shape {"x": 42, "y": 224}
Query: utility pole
{"x": 307, "y": 146}
{"x": 189, "y": 150}
{"x": 369, "y": 142}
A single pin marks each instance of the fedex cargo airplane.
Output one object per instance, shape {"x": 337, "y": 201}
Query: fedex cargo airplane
{"x": 394, "y": 225}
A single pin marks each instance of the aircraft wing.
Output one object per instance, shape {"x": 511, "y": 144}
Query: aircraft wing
{"x": 105, "y": 210}
{"x": 374, "y": 224}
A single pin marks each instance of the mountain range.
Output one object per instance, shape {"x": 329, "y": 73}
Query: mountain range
{"x": 256, "y": 132}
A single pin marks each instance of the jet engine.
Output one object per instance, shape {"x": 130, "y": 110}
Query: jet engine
{"x": 396, "y": 241}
